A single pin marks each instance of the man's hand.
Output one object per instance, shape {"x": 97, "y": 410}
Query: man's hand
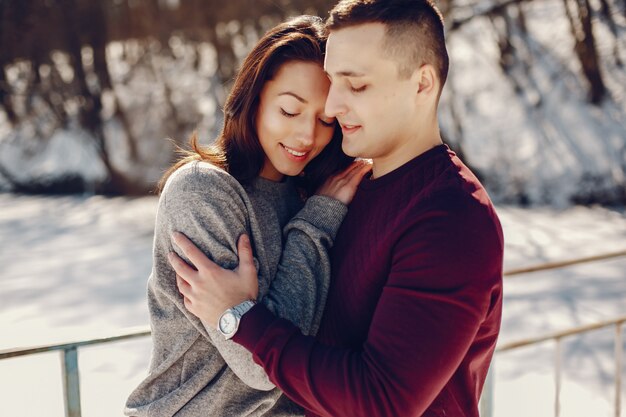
{"x": 208, "y": 290}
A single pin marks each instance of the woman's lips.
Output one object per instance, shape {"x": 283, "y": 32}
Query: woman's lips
{"x": 295, "y": 154}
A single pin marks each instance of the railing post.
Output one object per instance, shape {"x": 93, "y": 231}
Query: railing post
{"x": 618, "y": 369}
{"x": 486, "y": 399}
{"x": 71, "y": 386}
{"x": 557, "y": 378}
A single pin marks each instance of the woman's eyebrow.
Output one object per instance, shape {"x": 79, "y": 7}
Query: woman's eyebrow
{"x": 297, "y": 97}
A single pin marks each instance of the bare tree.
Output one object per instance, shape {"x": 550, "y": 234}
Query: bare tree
{"x": 585, "y": 46}
{"x": 31, "y": 31}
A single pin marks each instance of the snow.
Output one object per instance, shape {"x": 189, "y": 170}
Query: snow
{"x": 76, "y": 267}
{"x": 540, "y": 141}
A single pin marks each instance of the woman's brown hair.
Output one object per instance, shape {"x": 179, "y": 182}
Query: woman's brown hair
{"x": 237, "y": 149}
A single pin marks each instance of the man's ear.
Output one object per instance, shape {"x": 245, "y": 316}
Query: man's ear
{"x": 426, "y": 81}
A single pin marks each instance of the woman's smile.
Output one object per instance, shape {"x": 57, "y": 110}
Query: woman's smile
{"x": 295, "y": 154}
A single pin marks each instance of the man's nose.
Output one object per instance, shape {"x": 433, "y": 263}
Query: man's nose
{"x": 335, "y": 105}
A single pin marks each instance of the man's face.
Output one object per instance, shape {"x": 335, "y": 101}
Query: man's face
{"x": 373, "y": 104}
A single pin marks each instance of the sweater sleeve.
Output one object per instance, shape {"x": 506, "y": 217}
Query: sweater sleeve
{"x": 438, "y": 291}
{"x": 210, "y": 211}
{"x": 299, "y": 289}
{"x": 208, "y": 208}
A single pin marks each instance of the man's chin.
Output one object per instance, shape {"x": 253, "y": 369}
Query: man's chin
{"x": 350, "y": 150}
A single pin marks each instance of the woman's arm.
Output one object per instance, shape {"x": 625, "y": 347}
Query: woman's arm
{"x": 298, "y": 290}
{"x": 206, "y": 205}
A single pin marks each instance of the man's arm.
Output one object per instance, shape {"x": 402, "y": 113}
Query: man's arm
{"x": 427, "y": 317}
{"x": 438, "y": 292}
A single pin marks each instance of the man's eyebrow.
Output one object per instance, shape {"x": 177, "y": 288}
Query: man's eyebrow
{"x": 346, "y": 74}
{"x": 297, "y": 97}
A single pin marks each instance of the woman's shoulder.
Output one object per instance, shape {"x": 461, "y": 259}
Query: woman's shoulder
{"x": 202, "y": 177}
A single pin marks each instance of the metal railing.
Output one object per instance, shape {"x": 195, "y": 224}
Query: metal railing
{"x": 557, "y": 337}
{"x": 487, "y": 398}
{"x": 69, "y": 351}
{"x": 69, "y": 362}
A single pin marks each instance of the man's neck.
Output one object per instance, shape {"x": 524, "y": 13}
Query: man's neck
{"x": 403, "y": 154}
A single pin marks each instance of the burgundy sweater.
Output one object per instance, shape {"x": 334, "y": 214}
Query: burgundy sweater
{"x": 414, "y": 306}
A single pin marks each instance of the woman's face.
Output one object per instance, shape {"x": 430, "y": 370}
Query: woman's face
{"x": 291, "y": 124}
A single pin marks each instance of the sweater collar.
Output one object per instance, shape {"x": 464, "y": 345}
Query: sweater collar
{"x": 415, "y": 164}
{"x": 276, "y": 189}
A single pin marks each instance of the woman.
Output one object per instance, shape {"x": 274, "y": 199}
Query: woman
{"x": 274, "y": 126}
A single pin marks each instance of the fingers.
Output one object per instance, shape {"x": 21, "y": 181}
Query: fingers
{"x": 357, "y": 175}
{"x": 353, "y": 175}
{"x": 185, "y": 289}
{"x": 246, "y": 271}
{"x": 191, "y": 251}
{"x": 180, "y": 266}
{"x": 244, "y": 251}
{"x": 354, "y": 166}
{"x": 183, "y": 286}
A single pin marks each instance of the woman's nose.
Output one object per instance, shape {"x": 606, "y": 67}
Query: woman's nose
{"x": 306, "y": 133}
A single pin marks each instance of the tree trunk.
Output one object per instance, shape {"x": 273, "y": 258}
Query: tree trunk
{"x": 521, "y": 17}
{"x": 90, "y": 111}
{"x": 585, "y": 48}
{"x": 5, "y": 97}
{"x": 591, "y": 64}
{"x": 605, "y": 10}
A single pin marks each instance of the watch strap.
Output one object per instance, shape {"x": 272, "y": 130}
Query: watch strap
{"x": 242, "y": 308}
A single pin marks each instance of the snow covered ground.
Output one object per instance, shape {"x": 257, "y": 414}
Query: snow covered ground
{"x": 76, "y": 267}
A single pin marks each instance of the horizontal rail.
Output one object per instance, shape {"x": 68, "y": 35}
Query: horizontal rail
{"x": 130, "y": 333}
{"x": 144, "y": 331}
{"x": 69, "y": 350}
{"x": 562, "y": 264}
{"x": 559, "y": 335}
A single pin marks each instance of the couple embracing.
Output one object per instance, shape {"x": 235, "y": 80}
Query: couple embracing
{"x": 292, "y": 277}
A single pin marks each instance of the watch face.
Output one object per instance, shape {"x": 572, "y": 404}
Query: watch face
{"x": 228, "y": 322}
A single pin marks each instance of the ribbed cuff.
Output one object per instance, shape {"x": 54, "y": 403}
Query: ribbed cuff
{"x": 325, "y": 213}
{"x": 253, "y": 325}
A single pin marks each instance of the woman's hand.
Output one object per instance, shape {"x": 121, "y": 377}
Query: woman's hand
{"x": 209, "y": 290}
{"x": 343, "y": 186}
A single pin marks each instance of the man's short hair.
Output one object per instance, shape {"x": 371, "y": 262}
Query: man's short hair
{"x": 415, "y": 32}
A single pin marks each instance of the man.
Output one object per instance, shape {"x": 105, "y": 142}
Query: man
{"x": 415, "y": 302}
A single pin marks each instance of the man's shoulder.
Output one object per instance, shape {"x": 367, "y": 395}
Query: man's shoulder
{"x": 458, "y": 200}
{"x": 456, "y": 187}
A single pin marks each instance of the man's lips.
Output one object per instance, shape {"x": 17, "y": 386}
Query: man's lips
{"x": 348, "y": 129}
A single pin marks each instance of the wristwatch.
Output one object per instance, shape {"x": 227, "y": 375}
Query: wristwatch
{"x": 228, "y": 322}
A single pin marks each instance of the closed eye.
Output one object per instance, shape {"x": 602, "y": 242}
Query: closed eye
{"x": 358, "y": 89}
{"x": 287, "y": 114}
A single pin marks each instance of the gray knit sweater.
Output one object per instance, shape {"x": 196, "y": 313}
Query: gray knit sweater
{"x": 193, "y": 370}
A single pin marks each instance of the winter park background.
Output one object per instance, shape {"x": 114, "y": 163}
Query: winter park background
{"x": 90, "y": 90}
